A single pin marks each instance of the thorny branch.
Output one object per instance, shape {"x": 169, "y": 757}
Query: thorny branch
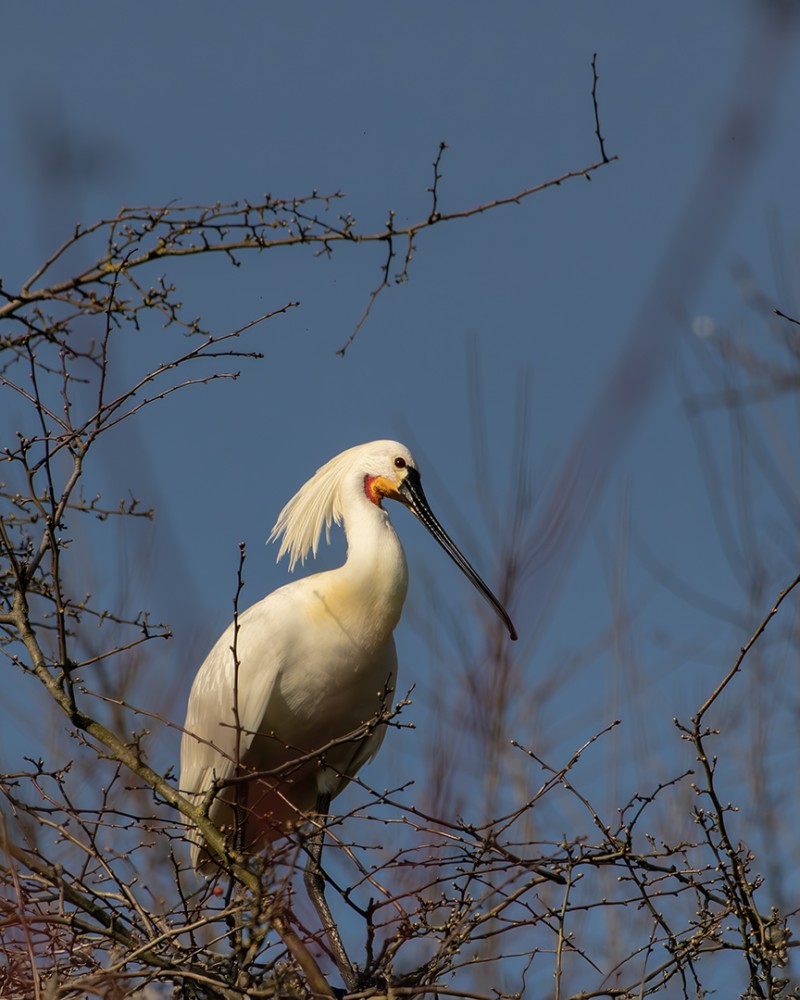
{"x": 142, "y": 236}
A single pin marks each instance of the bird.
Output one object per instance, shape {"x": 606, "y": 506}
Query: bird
{"x": 287, "y": 706}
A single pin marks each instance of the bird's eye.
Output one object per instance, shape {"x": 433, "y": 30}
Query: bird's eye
{"x": 399, "y": 463}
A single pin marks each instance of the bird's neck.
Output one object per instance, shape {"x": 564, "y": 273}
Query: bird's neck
{"x": 375, "y": 573}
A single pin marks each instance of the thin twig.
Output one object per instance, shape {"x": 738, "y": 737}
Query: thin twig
{"x": 597, "y": 132}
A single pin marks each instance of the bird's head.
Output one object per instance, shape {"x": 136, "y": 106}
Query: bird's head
{"x": 387, "y": 472}
{"x": 384, "y": 470}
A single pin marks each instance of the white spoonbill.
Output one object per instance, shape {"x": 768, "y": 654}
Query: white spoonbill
{"x": 287, "y": 715}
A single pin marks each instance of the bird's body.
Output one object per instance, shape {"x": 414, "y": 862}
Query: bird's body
{"x": 288, "y": 701}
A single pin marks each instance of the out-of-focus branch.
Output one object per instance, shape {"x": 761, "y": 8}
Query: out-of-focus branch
{"x": 565, "y": 510}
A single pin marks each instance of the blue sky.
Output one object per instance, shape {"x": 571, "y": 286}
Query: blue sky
{"x": 200, "y": 102}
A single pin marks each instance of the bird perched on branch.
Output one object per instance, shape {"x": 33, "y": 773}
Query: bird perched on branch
{"x": 288, "y": 704}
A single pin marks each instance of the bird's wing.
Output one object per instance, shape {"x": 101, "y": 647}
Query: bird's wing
{"x": 209, "y": 742}
{"x": 364, "y": 750}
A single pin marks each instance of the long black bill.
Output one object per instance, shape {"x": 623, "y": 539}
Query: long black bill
{"x": 411, "y": 489}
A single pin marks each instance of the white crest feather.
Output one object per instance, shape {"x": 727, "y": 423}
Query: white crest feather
{"x": 316, "y": 504}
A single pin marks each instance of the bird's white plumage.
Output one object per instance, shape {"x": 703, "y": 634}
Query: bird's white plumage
{"x": 316, "y": 660}
{"x": 320, "y": 502}
{"x": 293, "y": 711}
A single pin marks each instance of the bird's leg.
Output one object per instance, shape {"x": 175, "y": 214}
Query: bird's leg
{"x": 315, "y": 886}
